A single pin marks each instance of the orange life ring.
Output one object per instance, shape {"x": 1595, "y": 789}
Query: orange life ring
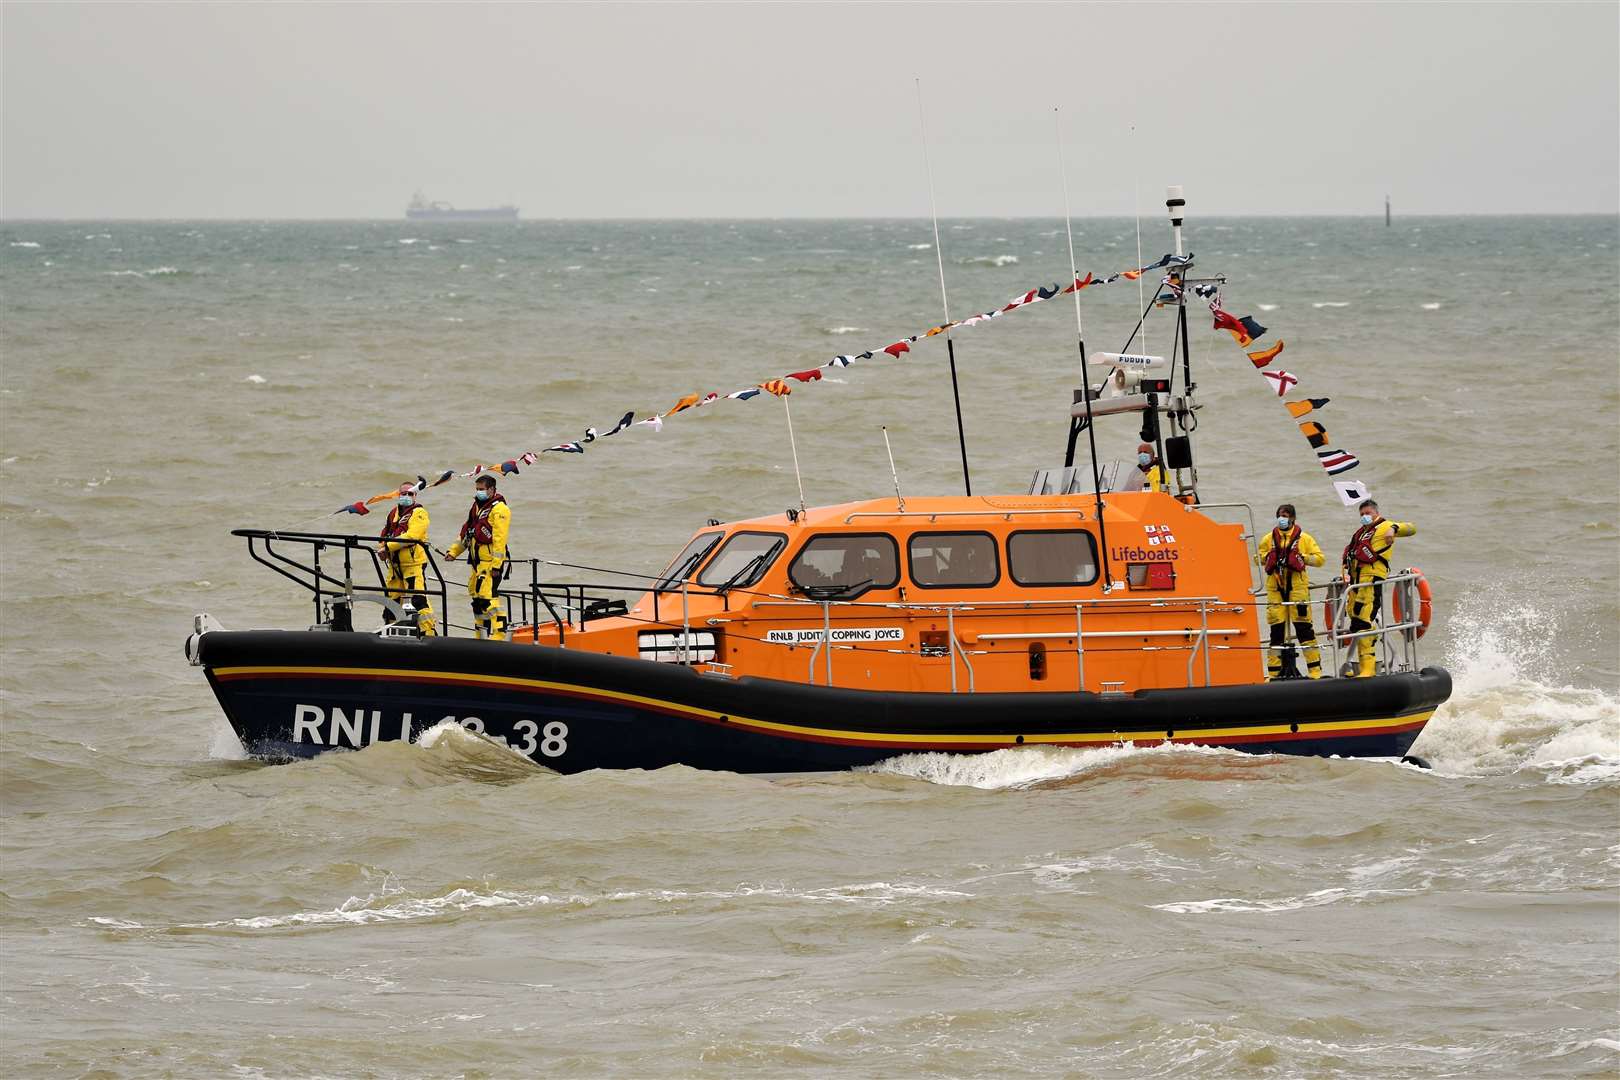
{"x": 1425, "y": 610}
{"x": 1330, "y": 604}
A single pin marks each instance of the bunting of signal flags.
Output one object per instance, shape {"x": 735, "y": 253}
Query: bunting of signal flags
{"x": 780, "y": 387}
{"x": 1246, "y": 331}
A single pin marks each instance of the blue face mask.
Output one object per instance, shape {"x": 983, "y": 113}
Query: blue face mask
{"x": 1366, "y": 519}
{"x": 407, "y": 500}
{"x": 1144, "y": 458}
{"x": 1283, "y": 523}
{"x": 481, "y": 495}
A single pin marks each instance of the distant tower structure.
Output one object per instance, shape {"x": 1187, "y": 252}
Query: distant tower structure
{"x": 1386, "y": 211}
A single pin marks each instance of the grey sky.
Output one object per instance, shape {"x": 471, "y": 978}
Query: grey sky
{"x": 238, "y": 110}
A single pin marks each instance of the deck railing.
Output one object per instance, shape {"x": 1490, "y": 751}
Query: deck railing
{"x": 570, "y": 606}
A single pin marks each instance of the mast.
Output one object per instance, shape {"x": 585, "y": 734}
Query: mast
{"x": 1175, "y": 202}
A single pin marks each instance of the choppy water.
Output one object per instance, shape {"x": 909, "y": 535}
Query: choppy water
{"x": 448, "y": 909}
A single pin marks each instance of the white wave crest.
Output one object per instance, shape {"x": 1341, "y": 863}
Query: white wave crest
{"x": 1506, "y": 713}
{"x": 989, "y": 260}
{"x": 24, "y": 244}
{"x": 393, "y": 905}
{"x": 1238, "y": 905}
{"x": 363, "y": 912}
{"x": 164, "y": 271}
{"x": 919, "y": 247}
{"x": 257, "y": 380}
{"x": 1021, "y": 766}
{"x": 1332, "y": 304}
{"x": 1266, "y": 307}
{"x": 224, "y": 745}
{"x": 1431, "y": 307}
{"x": 844, "y": 330}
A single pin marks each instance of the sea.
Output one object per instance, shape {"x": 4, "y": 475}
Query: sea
{"x": 447, "y": 909}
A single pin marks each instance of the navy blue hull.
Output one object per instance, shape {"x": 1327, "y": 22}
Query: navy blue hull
{"x": 298, "y": 694}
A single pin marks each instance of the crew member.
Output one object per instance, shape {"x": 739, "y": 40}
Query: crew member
{"x": 1154, "y": 477}
{"x": 1366, "y": 565}
{"x": 483, "y": 538}
{"x": 407, "y": 521}
{"x": 1285, "y": 552}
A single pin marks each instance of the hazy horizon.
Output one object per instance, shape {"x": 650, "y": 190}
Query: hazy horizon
{"x": 1149, "y": 213}
{"x": 256, "y": 112}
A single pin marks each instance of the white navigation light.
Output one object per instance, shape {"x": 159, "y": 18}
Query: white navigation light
{"x": 1176, "y": 203}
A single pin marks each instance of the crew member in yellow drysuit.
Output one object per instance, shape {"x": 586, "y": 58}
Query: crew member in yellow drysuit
{"x": 1154, "y": 477}
{"x": 483, "y": 538}
{"x": 407, "y": 521}
{"x": 1285, "y": 552}
{"x": 1366, "y": 565}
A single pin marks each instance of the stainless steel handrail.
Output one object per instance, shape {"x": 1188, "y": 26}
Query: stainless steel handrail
{"x": 932, "y": 514}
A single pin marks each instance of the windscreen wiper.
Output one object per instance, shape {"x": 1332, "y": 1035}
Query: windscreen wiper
{"x": 680, "y": 572}
{"x": 748, "y": 568}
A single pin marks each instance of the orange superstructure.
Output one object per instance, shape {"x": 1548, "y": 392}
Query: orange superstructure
{"x": 994, "y": 594}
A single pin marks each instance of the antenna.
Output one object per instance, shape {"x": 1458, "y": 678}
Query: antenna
{"x": 939, "y": 255}
{"x": 898, "y": 498}
{"x": 1085, "y": 370}
{"x": 1136, "y": 203}
{"x": 795, "y": 445}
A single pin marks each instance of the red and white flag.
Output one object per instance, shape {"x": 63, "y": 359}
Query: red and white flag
{"x": 1281, "y": 381}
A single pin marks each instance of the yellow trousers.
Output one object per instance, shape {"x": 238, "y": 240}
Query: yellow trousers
{"x": 1366, "y": 602}
{"x": 402, "y": 583}
{"x": 1298, "y": 612}
{"x": 483, "y": 584}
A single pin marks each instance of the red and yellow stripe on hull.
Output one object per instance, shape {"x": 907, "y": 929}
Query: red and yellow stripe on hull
{"x": 895, "y": 742}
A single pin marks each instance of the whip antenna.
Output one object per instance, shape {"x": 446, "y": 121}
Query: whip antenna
{"x": 793, "y": 443}
{"x": 1085, "y": 370}
{"x": 1136, "y": 203}
{"x": 939, "y": 255}
{"x": 898, "y": 498}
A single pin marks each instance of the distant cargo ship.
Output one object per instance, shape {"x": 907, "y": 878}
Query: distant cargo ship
{"x": 422, "y": 210}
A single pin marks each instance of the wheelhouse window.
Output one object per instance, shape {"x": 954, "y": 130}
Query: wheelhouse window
{"x": 1052, "y": 557}
{"x": 742, "y": 560}
{"x": 845, "y": 565}
{"x": 953, "y": 560}
{"x": 687, "y": 561}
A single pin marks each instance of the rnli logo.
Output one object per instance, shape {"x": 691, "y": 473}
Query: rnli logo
{"x": 1160, "y": 547}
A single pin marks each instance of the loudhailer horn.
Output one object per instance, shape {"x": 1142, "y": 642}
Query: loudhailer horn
{"x": 939, "y": 256}
{"x": 1085, "y": 369}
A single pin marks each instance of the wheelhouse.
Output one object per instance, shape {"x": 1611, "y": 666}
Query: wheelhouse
{"x": 996, "y": 593}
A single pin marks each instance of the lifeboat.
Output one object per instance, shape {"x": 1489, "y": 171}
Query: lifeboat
{"x": 1081, "y": 613}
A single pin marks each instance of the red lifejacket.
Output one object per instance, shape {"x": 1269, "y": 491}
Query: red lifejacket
{"x": 1360, "y": 548}
{"x": 1283, "y": 551}
{"x": 398, "y": 522}
{"x": 477, "y": 529}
